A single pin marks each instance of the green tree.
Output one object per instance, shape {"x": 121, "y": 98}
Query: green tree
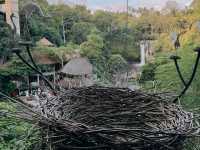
{"x": 80, "y": 31}
{"x": 53, "y": 35}
{"x": 124, "y": 41}
{"x": 5, "y": 41}
{"x": 103, "y": 20}
{"x": 117, "y": 64}
{"x": 65, "y": 51}
{"x": 92, "y": 48}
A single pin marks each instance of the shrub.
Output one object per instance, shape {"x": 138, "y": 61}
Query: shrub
{"x": 117, "y": 64}
{"x": 15, "y": 134}
{"x": 148, "y": 73}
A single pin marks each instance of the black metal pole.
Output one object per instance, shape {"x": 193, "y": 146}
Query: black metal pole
{"x": 43, "y": 77}
{"x": 176, "y": 58}
{"x": 27, "y": 45}
{"x": 191, "y": 79}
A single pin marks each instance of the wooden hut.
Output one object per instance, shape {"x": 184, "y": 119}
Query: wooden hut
{"x": 77, "y": 73}
{"x": 51, "y": 63}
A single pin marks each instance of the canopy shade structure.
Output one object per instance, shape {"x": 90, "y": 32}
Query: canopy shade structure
{"x": 78, "y": 67}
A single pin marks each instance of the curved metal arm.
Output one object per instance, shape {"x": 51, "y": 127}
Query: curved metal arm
{"x": 191, "y": 79}
{"x": 31, "y": 57}
{"x": 17, "y": 51}
{"x": 27, "y": 45}
{"x": 14, "y": 26}
{"x": 176, "y": 58}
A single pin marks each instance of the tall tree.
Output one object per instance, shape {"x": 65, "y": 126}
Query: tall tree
{"x": 93, "y": 47}
{"x": 5, "y": 41}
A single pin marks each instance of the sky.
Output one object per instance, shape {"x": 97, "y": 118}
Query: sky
{"x": 115, "y": 5}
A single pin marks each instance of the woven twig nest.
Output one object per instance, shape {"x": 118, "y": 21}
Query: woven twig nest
{"x": 113, "y": 119}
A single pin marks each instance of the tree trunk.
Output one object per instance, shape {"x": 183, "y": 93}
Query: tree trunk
{"x": 2, "y": 60}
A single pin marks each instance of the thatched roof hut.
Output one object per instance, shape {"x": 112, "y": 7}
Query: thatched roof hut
{"x": 78, "y": 67}
{"x": 45, "y": 42}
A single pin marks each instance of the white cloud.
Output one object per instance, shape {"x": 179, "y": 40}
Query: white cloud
{"x": 120, "y": 4}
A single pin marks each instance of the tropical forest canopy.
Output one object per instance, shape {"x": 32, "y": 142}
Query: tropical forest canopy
{"x": 103, "y": 35}
{"x": 112, "y": 42}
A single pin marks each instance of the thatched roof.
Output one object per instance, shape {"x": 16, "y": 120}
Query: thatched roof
{"x": 45, "y": 42}
{"x": 78, "y": 66}
{"x": 44, "y": 58}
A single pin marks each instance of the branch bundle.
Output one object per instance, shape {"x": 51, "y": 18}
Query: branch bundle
{"x": 111, "y": 119}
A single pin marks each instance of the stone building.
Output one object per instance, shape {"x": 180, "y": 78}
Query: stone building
{"x": 9, "y": 7}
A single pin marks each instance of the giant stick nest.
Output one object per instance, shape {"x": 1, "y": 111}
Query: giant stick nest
{"x": 105, "y": 118}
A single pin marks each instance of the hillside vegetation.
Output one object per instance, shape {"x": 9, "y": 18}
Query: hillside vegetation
{"x": 111, "y": 42}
